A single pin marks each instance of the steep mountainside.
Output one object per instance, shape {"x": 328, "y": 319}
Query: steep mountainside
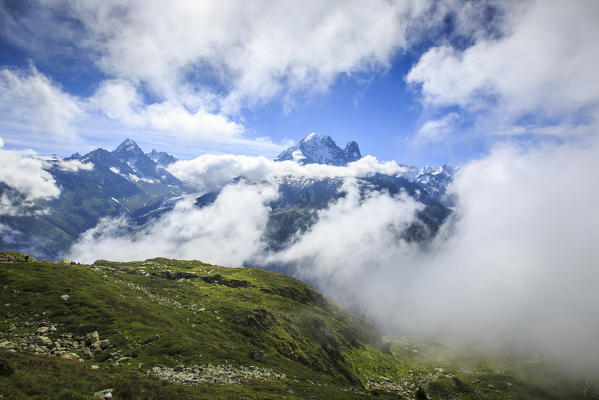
{"x": 165, "y": 329}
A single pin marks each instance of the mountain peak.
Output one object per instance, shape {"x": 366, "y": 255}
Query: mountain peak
{"x": 128, "y": 145}
{"x": 320, "y": 149}
{"x": 352, "y": 151}
{"x": 161, "y": 157}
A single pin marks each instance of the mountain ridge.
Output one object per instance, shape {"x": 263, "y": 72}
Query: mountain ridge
{"x": 126, "y": 182}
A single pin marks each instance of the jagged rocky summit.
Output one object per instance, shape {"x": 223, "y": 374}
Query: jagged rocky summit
{"x": 319, "y": 149}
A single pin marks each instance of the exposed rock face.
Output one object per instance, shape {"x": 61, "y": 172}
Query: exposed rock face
{"x": 161, "y": 158}
{"x": 259, "y": 318}
{"x": 218, "y": 279}
{"x": 352, "y": 152}
{"x": 175, "y": 275}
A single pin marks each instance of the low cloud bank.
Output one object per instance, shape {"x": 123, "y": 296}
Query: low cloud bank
{"x": 515, "y": 264}
{"x": 210, "y": 171}
{"x": 227, "y": 232}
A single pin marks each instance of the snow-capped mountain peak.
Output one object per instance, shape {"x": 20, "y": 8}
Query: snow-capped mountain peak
{"x": 128, "y": 147}
{"x": 320, "y": 149}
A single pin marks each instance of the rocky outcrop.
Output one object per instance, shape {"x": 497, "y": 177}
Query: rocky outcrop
{"x": 173, "y": 276}
{"x": 218, "y": 279}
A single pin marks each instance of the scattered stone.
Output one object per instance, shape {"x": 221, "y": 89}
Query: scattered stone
{"x": 92, "y": 337}
{"x": 104, "y": 394}
{"x": 220, "y": 374}
{"x": 95, "y": 366}
{"x": 44, "y": 341}
{"x": 65, "y": 297}
{"x": 70, "y": 356}
{"x": 104, "y": 344}
{"x": 42, "y": 329}
{"x": 96, "y": 345}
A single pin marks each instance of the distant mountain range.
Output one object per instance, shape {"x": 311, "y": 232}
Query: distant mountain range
{"x": 129, "y": 182}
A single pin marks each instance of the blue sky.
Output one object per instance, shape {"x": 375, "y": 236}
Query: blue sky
{"x": 419, "y": 82}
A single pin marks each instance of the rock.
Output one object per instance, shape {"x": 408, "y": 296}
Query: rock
{"x": 92, "y": 337}
{"x": 65, "y": 297}
{"x": 70, "y": 356}
{"x": 95, "y": 366}
{"x": 7, "y": 345}
{"x": 42, "y": 329}
{"x": 96, "y": 345}
{"x": 43, "y": 340}
{"x": 52, "y": 328}
{"x": 104, "y": 394}
{"x": 87, "y": 352}
{"x": 104, "y": 344}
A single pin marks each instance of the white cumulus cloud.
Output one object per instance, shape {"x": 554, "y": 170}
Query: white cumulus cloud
{"x": 543, "y": 64}
{"x": 30, "y": 98}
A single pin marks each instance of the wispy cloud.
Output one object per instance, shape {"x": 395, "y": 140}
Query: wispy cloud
{"x": 29, "y": 97}
{"x": 538, "y": 68}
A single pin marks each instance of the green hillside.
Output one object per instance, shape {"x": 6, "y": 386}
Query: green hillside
{"x": 164, "y": 329}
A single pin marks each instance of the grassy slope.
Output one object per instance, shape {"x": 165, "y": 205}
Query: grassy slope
{"x": 151, "y": 321}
